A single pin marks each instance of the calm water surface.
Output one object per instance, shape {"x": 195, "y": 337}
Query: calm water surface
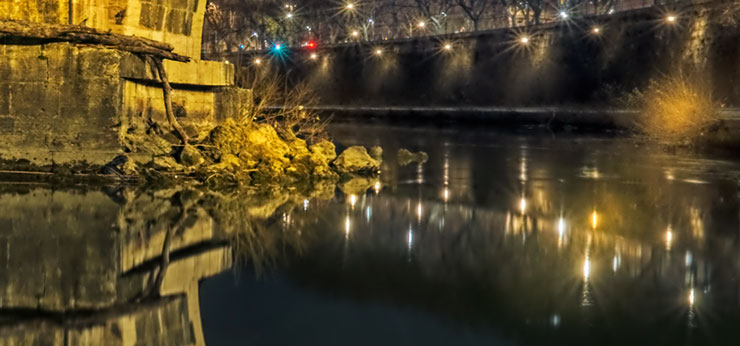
{"x": 499, "y": 239}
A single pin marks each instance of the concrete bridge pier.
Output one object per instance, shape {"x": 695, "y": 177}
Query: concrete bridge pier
{"x": 71, "y": 105}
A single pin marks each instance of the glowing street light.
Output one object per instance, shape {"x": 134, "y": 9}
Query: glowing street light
{"x": 289, "y": 15}
{"x": 257, "y": 61}
{"x": 671, "y": 18}
{"x": 314, "y": 56}
{"x": 421, "y": 24}
{"x": 524, "y": 40}
{"x": 350, "y": 6}
{"x": 355, "y": 33}
{"x": 378, "y": 52}
{"x": 447, "y": 46}
{"x": 596, "y": 30}
{"x": 563, "y": 14}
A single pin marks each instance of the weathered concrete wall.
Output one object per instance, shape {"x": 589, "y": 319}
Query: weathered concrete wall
{"x": 64, "y": 104}
{"x": 58, "y": 100}
{"x": 563, "y": 64}
{"x": 177, "y": 22}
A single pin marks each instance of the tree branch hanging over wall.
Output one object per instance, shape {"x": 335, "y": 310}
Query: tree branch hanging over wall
{"x": 84, "y": 35}
{"x": 153, "y": 51}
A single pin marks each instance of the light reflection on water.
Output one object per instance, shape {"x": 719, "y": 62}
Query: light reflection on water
{"x": 498, "y": 239}
{"x": 589, "y": 236}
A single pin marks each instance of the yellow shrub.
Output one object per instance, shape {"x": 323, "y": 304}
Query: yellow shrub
{"x": 678, "y": 109}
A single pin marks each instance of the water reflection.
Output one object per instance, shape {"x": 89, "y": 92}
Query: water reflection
{"x": 533, "y": 232}
{"x": 122, "y": 266}
{"x": 490, "y": 238}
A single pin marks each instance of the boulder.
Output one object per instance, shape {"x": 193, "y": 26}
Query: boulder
{"x": 376, "y": 152}
{"x": 190, "y": 156}
{"x": 322, "y": 154}
{"x": 357, "y": 185}
{"x": 324, "y": 151}
{"x": 406, "y": 157}
{"x": 356, "y": 160}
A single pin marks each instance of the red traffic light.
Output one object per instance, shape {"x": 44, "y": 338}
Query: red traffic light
{"x": 311, "y": 44}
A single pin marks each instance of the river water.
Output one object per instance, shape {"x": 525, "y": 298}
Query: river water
{"x": 500, "y": 238}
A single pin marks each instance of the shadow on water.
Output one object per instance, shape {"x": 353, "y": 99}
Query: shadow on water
{"x": 500, "y": 238}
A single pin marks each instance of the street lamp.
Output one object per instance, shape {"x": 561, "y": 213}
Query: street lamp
{"x": 350, "y": 6}
{"x": 524, "y": 40}
{"x": 671, "y": 18}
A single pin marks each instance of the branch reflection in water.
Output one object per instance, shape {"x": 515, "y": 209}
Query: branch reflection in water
{"x": 556, "y": 256}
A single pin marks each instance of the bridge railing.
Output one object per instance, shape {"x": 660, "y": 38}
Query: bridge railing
{"x": 497, "y": 18}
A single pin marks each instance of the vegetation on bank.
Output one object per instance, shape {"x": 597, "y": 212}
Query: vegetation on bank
{"x": 263, "y": 145}
{"x": 678, "y": 109}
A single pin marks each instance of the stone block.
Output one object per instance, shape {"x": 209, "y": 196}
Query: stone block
{"x": 195, "y": 72}
{"x": 175, "y": 21}
{"x": 152, "y": 16}
{"x": 187, "y": 25}
{"x": 4, "y": 99}
{"x": 96, "y": 63}
{"x": 73, "y": 99}
{"x": 229, "y": 102}
{"x": 7, "y": 125}
{"x": 25, "y": 63}
{"x": 36, "y": 100}
{"x": 61, "y": 62}
{"x": 178, "y": 4}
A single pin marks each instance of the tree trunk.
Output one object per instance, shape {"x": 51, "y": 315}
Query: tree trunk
{"x": 81, "y": 34}
{"x": 167, "y": 90}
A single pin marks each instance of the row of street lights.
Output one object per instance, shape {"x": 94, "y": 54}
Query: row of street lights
{"x": 524, "y": 39}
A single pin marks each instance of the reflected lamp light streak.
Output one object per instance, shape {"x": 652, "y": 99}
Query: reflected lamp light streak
{"x": 594, "y": 219}
{"x": 523, "y": 205}
{"x": 410, "y": 238}
{"x": 615, "y": 263}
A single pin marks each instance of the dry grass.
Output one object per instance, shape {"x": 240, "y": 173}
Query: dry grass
{"x": 678, "y": 109}
{"x": 283, "y": 106}
{"x": 730, "y": 15}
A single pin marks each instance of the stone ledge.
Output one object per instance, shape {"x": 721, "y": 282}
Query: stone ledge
{"x": 195, "y": 72}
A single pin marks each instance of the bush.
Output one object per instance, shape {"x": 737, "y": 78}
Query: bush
{"x": 678, "y": 109}
{"x": 282, "y": 104}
